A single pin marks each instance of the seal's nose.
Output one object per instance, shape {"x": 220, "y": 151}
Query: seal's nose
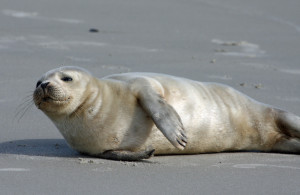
{"x": 44, "y": 85}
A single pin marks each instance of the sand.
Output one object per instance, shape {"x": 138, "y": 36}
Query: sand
{"x": 253, "y": 46}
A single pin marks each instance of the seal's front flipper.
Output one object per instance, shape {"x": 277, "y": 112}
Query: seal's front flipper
{"x": 126, "y": 155}
{"x": 164, "y": 116}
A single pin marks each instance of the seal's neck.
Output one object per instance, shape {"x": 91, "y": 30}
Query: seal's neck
{"x": 90, "y": 100}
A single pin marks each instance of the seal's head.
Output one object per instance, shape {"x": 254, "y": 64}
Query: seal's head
{"x": 61, "y": 90}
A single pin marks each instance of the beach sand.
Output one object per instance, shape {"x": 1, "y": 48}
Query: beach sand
{"x": 253, "y": 46}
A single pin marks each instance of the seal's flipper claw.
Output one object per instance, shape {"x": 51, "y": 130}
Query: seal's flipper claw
{"x": 183, "y": 135}
{"x": 150, "y": 153}
{"x": 183, "y": 144}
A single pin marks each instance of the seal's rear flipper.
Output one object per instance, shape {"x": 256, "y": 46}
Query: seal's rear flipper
{"x": 126, "y": 155}
{"x": 287, "y": 145}
{"x": 288, "y": 125}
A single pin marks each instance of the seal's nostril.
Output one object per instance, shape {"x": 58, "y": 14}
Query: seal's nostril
{"x": 44, "y": 85}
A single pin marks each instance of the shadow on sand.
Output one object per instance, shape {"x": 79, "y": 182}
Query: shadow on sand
{"x": 38, "y": 147}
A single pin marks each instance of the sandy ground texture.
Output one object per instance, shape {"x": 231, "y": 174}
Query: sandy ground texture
{"x": 253, "y": 46}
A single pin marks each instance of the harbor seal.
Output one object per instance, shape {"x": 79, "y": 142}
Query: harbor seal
{"x": 129, "y": 116}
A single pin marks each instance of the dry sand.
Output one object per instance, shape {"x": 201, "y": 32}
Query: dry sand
{"x": 253, "y": 46}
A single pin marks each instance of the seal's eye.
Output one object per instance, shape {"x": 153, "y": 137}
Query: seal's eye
{"x": 67, "y": 79}
{"x": 38, "y": 84}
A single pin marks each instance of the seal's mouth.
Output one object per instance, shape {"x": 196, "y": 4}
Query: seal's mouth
{"x": 51, "y": 98}
{"x": 47, "y": 99}
{"x": 54, "y": 100}
{"x": 44, "y": 99}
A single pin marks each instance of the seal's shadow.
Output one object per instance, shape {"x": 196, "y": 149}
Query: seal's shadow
{"x": 38, "y": 147}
